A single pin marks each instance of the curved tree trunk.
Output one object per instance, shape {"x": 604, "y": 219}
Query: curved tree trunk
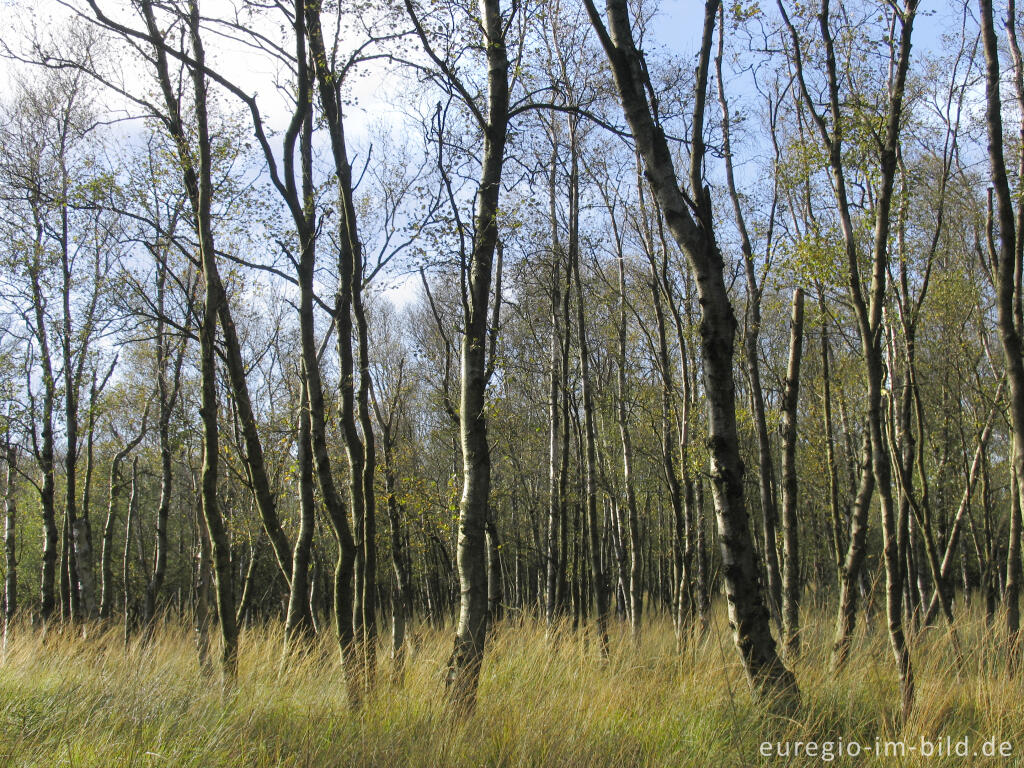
{"x": 470, "y": 635}
{"x": 214, "y": 300}
{"x": 868, "y": 305}
{"x": 311, "y": 424}
{"x": 353, "y": 551}
{"x": 747, "y": 612}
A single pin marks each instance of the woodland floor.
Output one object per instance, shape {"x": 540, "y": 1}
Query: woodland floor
{"x": 68, "y": 701}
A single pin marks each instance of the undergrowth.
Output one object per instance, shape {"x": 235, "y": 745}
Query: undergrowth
{"x": 81, "y": 698}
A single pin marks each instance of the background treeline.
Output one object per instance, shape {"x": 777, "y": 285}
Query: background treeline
{"x": 256, "y": 369}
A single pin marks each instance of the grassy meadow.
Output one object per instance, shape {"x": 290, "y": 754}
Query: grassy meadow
{"x": 70, "y": 701}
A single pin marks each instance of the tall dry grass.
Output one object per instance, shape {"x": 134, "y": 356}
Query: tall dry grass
{"x": 66, "y": 700}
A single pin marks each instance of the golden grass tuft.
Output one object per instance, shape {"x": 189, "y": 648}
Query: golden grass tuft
{"x": 66, "y": 700}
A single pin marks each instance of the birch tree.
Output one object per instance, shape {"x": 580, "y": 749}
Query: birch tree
{"x": 689, "y": 218}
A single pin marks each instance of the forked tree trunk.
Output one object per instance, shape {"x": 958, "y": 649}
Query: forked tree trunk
{"x": 196, "y": 165}
{"x": 310, "y": 426}
{"x": 853, "y": 562}
{"x": 354, "y": 634}
{"x": 116, "y": 489}
{"x": 868, "y": 306}
{"x": 213, "y": 300}
{"x": 751, "y": 345}
{"x": 191, "y": 169}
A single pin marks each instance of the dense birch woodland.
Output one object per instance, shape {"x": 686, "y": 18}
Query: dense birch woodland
{"x": 373, "y": 323}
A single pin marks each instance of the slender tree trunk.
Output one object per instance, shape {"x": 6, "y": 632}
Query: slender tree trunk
{"x": 10, "y": 541}
{"x": 246, "y": 597}
{"x": 598, "y": 572}
{"x": 352, "y": 550}
{"x": 556, "y": 470}
{"x": 44, "y": 453}
{"x": 213, "y": 300}
{"x": 81, "y": 531}
{"x": 126, "y": 573}
{"x": 368, "y": 583}
{"x": 880, "y": 460}
{"x": 830, "y": 450}
{"x": 791, "y": 539}
{"x": 1006, "y": 259}
{"x": 107, "y": 552}
{"x": 204, "y": 577}
{"x": 402, "y": 599}
{"x": 316, "y": 592}
{"x": 1013, "y": 576}
{"x": 903, "y": 452}
{"x": 636, "y": 586}
{"x": 747, "y": 612}
{"x": 467, "y": 654}
{"x": 68, "y": 595}
{"x": 84, "y": 567}
{"x": 868, "y": 307}
{"x": 167, "y": 393}
{"x": 298, "y": 621}
{"x": 495, "y": 591}
{"x": 116, "y": 488}
{"x": 81, "y": 580}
